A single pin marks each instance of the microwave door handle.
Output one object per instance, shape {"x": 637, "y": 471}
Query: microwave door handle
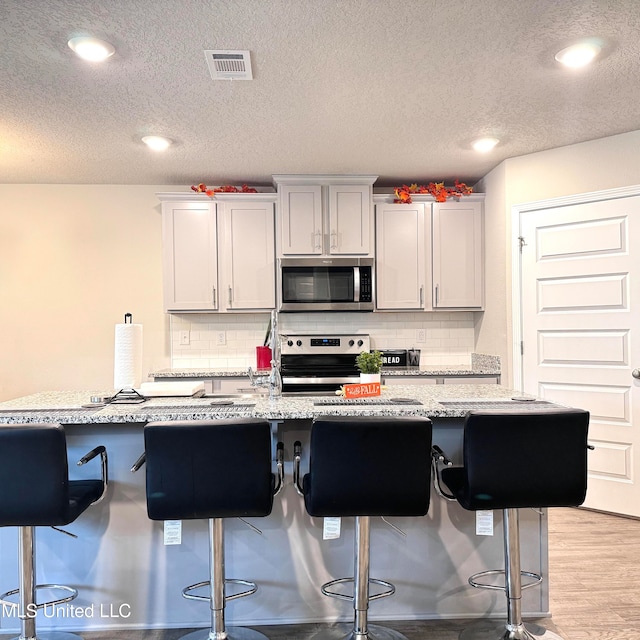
{"x": 356, "y": 284}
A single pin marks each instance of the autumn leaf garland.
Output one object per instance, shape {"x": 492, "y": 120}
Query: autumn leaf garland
{"x": 436, "y": 189}
{"x": 225, "y": 188}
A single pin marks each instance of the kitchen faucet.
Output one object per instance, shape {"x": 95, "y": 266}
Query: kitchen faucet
{"x": 274, "y": 380}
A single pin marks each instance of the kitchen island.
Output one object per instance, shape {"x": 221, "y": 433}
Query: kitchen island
{"x": 129, "y": 578}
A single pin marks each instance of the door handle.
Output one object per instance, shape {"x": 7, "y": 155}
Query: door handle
{"x": 636, "y": 373}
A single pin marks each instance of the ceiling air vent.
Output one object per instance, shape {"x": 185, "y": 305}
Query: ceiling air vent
{"x": 229, "y": 65}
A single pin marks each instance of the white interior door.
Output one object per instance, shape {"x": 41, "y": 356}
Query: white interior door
{"x": 580, "y": 314}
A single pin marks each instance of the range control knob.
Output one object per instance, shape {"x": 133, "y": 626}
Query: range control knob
{"x": 290, "y": 343}
{"x": 299, "y": 343}
{"x": 360, "y": 343}
{"x": 351, "y": 343}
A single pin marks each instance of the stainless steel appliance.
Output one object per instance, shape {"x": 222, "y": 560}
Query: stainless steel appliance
{"x": 318, "y": 364}
{"x": 325, "y": 284}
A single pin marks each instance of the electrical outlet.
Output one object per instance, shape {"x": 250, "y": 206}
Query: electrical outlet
{"x": 184, "y": 338}
{"x": 222, "y": 338}
{"x": 421, "y": 335}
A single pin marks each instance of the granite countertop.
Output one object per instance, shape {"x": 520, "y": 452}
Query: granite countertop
{"x": 481, "y": 365}
{"x": 65, "y": 407}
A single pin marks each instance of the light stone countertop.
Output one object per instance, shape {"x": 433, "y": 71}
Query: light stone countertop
{"x": 65, "y": 407}
{"x": 481, "y": 365}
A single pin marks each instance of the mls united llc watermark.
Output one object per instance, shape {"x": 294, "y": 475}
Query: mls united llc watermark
{"x": 68, "y": 610}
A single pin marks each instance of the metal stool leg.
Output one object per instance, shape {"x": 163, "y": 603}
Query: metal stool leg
{"x": 27, "y": 607}
{"x": 361, "y": 629}
{"x": 217, "y": 598}
{"x": 515, "y": 628}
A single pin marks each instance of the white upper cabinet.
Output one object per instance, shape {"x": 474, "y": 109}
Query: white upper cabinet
{"x": 247, "y": 254}
{"x": 218, "y": 255}
{"x": 350, "y": 219}
{"x": 189, "y": 255}
{"x": 325, "y": 215}
{"x": 401, "y": 258}
{"x": 301, "y": 220}
{"x": 458, "y": 265}
{"x": 429, "y": 255}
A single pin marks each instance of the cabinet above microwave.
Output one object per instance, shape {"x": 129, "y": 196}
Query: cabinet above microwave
{"x": 325, "y": 215}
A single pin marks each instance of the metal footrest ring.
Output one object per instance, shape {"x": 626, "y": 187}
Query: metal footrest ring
{"x": 253, "y": 587}
{"x": 390, "y": 589}
{"x": 473, "y": 580}
{"x": 73, "y": 594}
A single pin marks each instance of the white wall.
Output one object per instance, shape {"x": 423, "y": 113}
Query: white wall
{"x": 601, "y": 164}
{"x": 73, "y": 260}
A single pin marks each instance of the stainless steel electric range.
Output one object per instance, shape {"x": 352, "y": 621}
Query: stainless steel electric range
{"x": 320, "y": 364}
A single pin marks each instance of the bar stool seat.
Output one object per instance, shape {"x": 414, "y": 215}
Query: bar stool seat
{"x": 364, "y": 467}
{"x": 535, "y": 458}
{"x": 212, "y": 469}
{"x": 36, "y": 491}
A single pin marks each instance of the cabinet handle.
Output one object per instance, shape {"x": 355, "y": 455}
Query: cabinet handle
{"x": 214, "y": 296}
{"x": 318, "y": 239}
{"x": 230, "y": 296}
{"x": 436, "y": 295}
{"x": 334, "y": 239}
{"x": 421, "y": 295}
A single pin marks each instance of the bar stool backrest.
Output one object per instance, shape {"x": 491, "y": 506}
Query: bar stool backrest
{"x": 527, "y": 459}
{"x": 208, "y": 469}
{"x": 34, "y": 480}
{"x": 368, "y": 466}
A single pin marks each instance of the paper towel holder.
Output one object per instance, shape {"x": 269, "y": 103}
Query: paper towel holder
{"x": 127, "y": 393}
{"x": 128, "y": 396}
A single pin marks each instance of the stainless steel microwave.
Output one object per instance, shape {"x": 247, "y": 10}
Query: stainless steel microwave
{"x": 325, "y": 284}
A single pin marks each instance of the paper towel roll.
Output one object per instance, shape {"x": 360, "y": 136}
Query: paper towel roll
{"x": 127, "y": 368}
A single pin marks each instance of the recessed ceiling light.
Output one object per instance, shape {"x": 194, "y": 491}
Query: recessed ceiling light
{"x": 483, "y": 145}
{"x": 91, "y": 49}
{"x": 157, "y": 143}
{"x": 578, "y": 55}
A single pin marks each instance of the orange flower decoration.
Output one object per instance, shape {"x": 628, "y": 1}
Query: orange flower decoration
{"x": 436, "y": 189}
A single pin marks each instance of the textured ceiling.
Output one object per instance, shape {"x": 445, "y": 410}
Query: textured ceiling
{"x": 395, "y": 88}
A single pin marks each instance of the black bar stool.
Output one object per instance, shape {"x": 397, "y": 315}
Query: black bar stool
{"x": 212, "y": 469}
{"x": 363, "y": 467}
{"x": 533, "y": 458}
{"x": 37, "y": 492}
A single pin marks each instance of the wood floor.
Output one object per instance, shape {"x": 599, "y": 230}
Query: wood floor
{"x": 594, "y": 577}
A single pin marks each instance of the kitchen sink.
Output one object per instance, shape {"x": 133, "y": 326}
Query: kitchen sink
{"x": 235, "y": 396}
{"x": 265, "y": 395}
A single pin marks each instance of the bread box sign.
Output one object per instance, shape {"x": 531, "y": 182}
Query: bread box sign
{"x": 394, "y": 358}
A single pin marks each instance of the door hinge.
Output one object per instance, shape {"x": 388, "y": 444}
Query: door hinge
{"x": 522, "y": 242}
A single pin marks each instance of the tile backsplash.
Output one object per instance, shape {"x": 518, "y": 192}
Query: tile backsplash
{"x": 229, "y": 340}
